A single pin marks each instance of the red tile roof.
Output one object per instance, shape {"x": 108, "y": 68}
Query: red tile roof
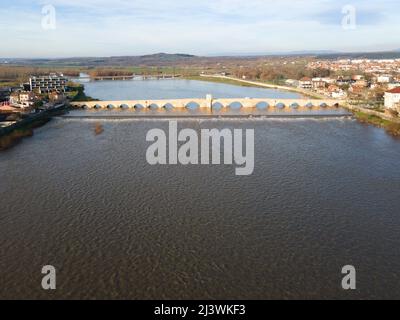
{"x": 7, "y": 109}
{"x": 395, "y": 90}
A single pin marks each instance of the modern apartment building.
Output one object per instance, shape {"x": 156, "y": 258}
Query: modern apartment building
{"x": 49, "y": 83}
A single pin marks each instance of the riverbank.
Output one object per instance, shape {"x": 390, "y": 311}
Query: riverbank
{"x": 9, "y": 140}
{"x": 78, "y": 93}
{"x": 222, "y": 80}
{"x": 391, "y": 127}
{"x": 376, "y": 118}
{"x": 13, "y": 134}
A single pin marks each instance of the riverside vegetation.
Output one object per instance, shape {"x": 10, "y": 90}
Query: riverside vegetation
{"x": 393, "y": 128}
{"x": 11, "y": 139}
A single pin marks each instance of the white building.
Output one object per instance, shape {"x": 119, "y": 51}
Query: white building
{"x": 305, "y": 83}
{"x": 340, "y": 94}
{"x": 392, "y": 99}
{"x": 22, "y": 99}
{"x": 292, "y": 82}
{"x": 385, "y": 79}
{"x": 318, "y": 83}
{"x": 358, "y": 77}
{"x": 329, "y": 80}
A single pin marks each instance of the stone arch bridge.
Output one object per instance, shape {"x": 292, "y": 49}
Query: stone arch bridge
{"x": 210, "y": 103}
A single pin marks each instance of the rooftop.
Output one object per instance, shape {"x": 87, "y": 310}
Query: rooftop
{"x": 7, "y": 109}
{"x": 395, "y": 90}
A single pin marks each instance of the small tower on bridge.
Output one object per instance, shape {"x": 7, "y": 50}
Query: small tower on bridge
{"x": 209, "y": 101}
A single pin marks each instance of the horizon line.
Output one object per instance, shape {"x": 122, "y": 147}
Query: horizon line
{"x": 219, "y": 55}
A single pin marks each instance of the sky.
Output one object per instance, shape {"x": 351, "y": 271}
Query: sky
{"x": 29, "y": 29}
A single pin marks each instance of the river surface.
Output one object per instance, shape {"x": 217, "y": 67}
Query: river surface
{"x": 176, "y": 89}
{"x": 324, "y": 194}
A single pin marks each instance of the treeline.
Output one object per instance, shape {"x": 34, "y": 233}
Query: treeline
{"x": 21, "y": 74}
{"x": 116, "y": 71}
{"x": 280, "y": 73}
{"x": 109, "y": 72}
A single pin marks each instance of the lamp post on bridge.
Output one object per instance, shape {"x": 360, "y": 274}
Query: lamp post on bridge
{"x": 209, "y": 101}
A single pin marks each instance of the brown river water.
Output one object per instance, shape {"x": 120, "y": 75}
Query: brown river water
{"x": 324, "y": 194}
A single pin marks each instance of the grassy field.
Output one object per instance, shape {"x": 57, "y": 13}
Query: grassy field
{"x": 9, "y": 84}
{"x": 222, "y": 80}
{"x": 253, "y": 85}
{"x": 14, "y": 75}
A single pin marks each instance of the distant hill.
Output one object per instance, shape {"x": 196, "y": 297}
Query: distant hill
{"x": 158, "y": 59}
{"x": 180, "y": 59}
{"x": 309, "y": 53}
{"x": 363, "y": 55}
{"x": 166, "y": 56}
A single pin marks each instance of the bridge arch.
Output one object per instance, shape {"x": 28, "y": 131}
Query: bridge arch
{"x": 154, "y": 106}
{"x": 280, "y": 105}
{"x": 262, "y": 105}
{"x": 236, "y": 105}
{"x": 124, "y": 106}
{"x": 309, "y": 105}
{"x": 138, "y": 106}
{"x": 168, "y": 106}
{"x": 294, "y": 105}
{"x": 192, "y": 105}
{"x": 110, "y": 106}
{"x": 217, "y": 106}
{"x": 323, "y": 105}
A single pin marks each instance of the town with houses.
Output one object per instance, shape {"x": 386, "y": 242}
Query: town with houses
{"x": 372, "y": 81}
{"x": 39, "y": 94}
